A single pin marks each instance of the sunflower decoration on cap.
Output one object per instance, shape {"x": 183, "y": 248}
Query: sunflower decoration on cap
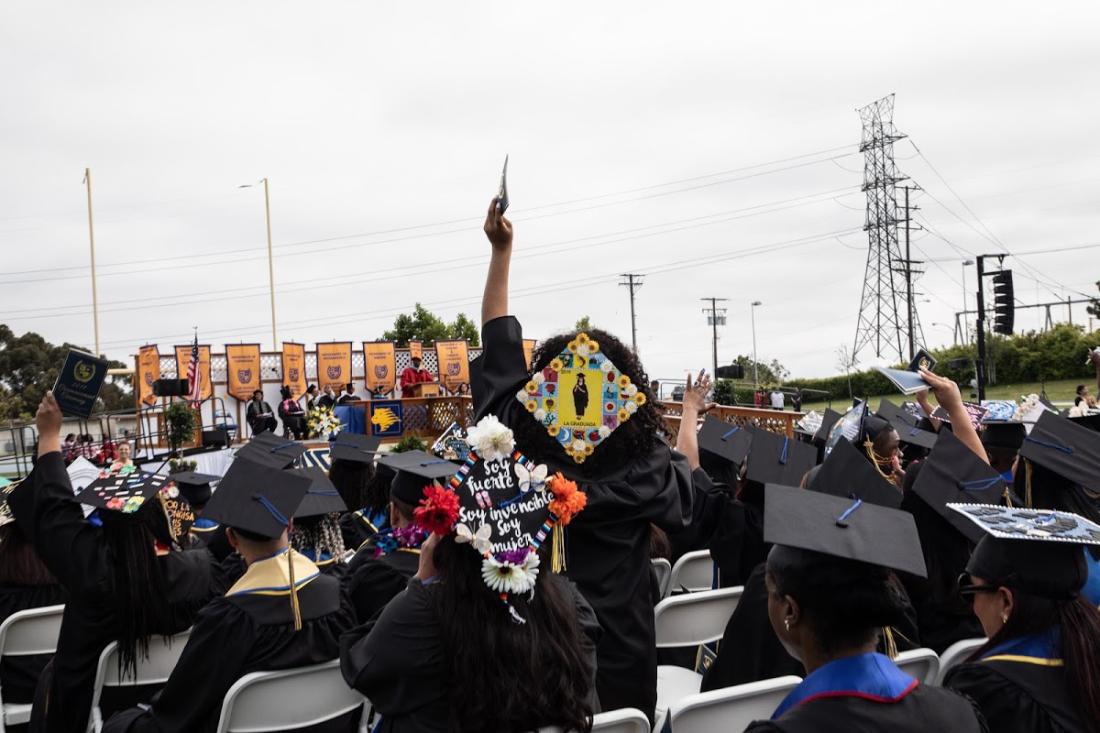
{"x": 581, "y": 397}
{"x": 504, "y": 507}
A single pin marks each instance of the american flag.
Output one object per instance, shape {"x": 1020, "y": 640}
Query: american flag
{"x": 194, "y": 381}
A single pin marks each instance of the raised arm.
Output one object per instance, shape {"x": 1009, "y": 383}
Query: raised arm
{"x": 947, "y": 393}
{"x": 694, "y": 404}
{"x": 494, "y": 303}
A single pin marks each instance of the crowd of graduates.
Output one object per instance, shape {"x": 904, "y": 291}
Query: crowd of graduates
{"x": 879, "y": 532}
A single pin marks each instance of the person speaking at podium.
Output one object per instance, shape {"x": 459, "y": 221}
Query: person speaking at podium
{"x": 412, "y": 375}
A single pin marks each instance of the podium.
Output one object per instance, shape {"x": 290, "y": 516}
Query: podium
{"x": 423, "y": 389}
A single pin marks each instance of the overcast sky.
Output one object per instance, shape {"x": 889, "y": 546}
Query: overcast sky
{"x": 711, "y": 146}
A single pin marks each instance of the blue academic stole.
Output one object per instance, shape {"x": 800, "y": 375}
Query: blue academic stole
{"x": 1043, "y": 649}
{"x": 869, "y": 676}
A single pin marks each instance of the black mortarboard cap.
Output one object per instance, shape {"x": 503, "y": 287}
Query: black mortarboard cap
{"x": 257, "y": 498}
{"x": 1033, "y": 550}
{"x": 907, "y": 425}
{"x": 828, "y": 420}
{"x": 1003, "y": 435}
{"x": 125, "y": 494}
{"x": 272, "y": 451}
{"x": 887, "y": 410}
{"x": 842, "y": 527}
{"x": 194, "y": 486}
{"x": 724, "y": 440}
{"x": 953, "y": 474}
{"x": 777, "y": 459}
{"x": 1064, "y": 448}
{"x": 1090, "y": 421}
{"x": 354, "y": 447}
{"x": 321, "y": 497}
{"x": 873, "y": 425}
{"x": 846, "y": 472}
{"x": 415, "y": 470}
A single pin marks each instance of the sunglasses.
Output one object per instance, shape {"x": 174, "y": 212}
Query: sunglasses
{"x": 967, "y": 588}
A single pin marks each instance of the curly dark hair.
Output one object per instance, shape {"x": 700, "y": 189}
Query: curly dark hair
{"x": 637, "y": 436}
{"x": 507, "y": 676}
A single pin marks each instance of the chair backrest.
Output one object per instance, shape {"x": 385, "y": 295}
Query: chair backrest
{"x": 624, "y": 720}
{"x": 694, "y": 571}
{"x": 695, "y": 618}
{"x": 730, "y": 708}
{"x": 662, "y": 568}
{"x": 154, "y": 670}
{"x": 287, "y": 699}
{"x": 33, "y": 631}
{"x": 955, "y": 655}
{"x": 924, "y": 664}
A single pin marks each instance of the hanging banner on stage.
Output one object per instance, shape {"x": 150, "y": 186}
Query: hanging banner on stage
{"x": 528, "y": 351}
{"x": 242, "y": 370}
{"x": 294, "y": 368}
{"x": 334, "y": 365}
{"x": 380, "y": 365}
{"x": 183, "y": 358}
{"x": 454, "y": 363}
{"x": 148, "y": 372}
{"x": 416, "y": 350}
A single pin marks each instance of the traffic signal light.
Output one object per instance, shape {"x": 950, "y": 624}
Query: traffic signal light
{"x": 1004, "y": 299}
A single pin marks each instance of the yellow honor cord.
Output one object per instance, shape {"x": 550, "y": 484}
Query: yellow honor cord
{"x": 295, "y": 608}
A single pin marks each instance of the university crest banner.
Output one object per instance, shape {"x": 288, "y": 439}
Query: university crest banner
{"x": 380, "y": 360}
{"x": 454, "y": 363}
{"x": 183, "y": 357}
{"x": 294, "y": 368}
{"x": 242, "y": 369}
{"x": 148, "y": 372}
{"x": 334, "y": 364}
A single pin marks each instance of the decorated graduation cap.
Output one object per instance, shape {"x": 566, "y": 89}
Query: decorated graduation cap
{"x": 194, "y": 486}
{"x": 415, "y": 470}
{"x": 257, "y": 498}
{"x": 1003, "y": 434}
{"x": 1032, "y": 550}
{"x": 846, "y": 473}
{"x": 125, "y": 494}
{"x": 828, "y": 420}
{"x": 777, "y": 459}
{"x": 270, "y": 450}
{"x": 581, "y": 397}
{"x": 354, "y": 447}
{"x": 849, "y": 427}
{"x": 321, "y": 497}
{"x": 847, "y": 528}
{"x": 953, "y": 474}
{"x": 1064, "y": 448}
{"x": 724, "y": 440}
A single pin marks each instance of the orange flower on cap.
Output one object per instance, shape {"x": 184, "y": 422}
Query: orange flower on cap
{"x": 568, "y": 499}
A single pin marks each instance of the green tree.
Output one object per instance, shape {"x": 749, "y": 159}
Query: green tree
{"x": 771, "y": 372}
{"x": 423, "y": 325}
{"x": 583, "y": 324}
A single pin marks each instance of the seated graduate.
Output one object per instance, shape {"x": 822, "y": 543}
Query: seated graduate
{"x": 750, "y": 649}
{"x": 316, "y": 531}
{"x": 631, "y": 477}
{"x": 486, "y": 637}
{"x": 205, "y": 532}
{"x": 829, "y": 593}
{"x": 348, "y": 395}
{"x": 352, "y": 472}
{"x": 127, "y": 579}
{"x": 384, "y": 563}
{"x": 283, "y": 612}
{"x": 1040, "y": 670}
{"x": 292, "y": 414}
{"x": 25, "y": 583}
{"x": 260, "y": 416}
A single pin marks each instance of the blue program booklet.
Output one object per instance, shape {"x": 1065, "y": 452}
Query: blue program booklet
{"x": 77, "y": 387}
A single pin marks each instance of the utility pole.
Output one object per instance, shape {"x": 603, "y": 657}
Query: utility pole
{"x": 906, "y": 269}
{"x": 91, "y": 241}
{"x": 634, "y": 282}
{"x": 715, "y": 316}
{"x": 270, "y": 265}
{"x": 979, "y": 363}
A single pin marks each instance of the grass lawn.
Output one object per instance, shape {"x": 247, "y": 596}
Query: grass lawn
{"x": 1061, "y": 391}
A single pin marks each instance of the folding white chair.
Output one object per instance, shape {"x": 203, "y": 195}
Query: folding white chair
{"x": 730, "y": 708}
{"x": 694, "y": 571}
{"x": 154, "y": 670}
{"x": 924, "y": 664}
{"x": 689, "y": 620}
{"x": 23, "y": 634}
{"x": 663, "y": 570}
{"x": 626, "y": 720}
{"x": 955, "y": 655}
{"x": 288, "y": 699}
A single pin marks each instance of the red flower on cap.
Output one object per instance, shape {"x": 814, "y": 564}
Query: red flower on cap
{"x": 438, "y": 510}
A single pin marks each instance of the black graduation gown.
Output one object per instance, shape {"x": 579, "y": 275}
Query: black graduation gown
{"x": 76, "y": 553}
{"x": 737, "y": 544}
{"x": 356, "y": 527}
{"x": 871, "y": 697}
{"x": 607, "y": 547}
{"x": 708, "y": 507}
{"x": 19, "y": 675}
{"x": 1020, "y": 687}
{"x": 371, "y": 582}
{"x": 237, "y": 634}
{"x": 211, "y": 535}
{"x": 397, "y": 661}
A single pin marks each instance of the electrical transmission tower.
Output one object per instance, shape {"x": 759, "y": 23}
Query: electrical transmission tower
{"x": 882, "y": 318}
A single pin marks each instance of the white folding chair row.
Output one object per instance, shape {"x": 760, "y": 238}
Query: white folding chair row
{"x": 694, "y": 571}
{"x": 662, "y": 568}
{"x": 924, "y": 664}
{"x": 955, "y": 655}
{"x": 152, "y": 670}
{"x": 625, "y": 720}
{"x": 23, "y": 634}
{"x": 730, "y": 708}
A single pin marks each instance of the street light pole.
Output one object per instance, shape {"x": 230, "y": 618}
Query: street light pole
{"x": 270, "y": 257}
{"x": 91, "y": 241}
{"x": 755, "y": 373}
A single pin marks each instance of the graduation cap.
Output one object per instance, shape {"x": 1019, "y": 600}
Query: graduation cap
{"x": 321, "y": 497}
{"x": 1003, "y": 434}
{"x": 257, "y": 498}
{"x": 354, "y": 447}
{"x": 414, "y": 470}
{"x": 847, "y": 528}
{"x": 724, "y": 440}
{"x": 6, "y": 516}
{"x": 828, "y": 420}
{"x": 194, "y": 486}
{"x": 270, "y": 450}
{"x": 1032, "y": 550}
{"x": 125, "y": 494}
{"x": 848, "y": 427}
{"x": 1090, "y": 420}
{"x": 907, "y": 425}
{"x": 777, "y": 459}
{"x": 848, "y": 473}
{"x": 1065, "y": 448}
{"x": 953, "y": 474}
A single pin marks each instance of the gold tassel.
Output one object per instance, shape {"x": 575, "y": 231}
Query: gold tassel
{"x": 891, "y": 644}
{"x": 557, "y": 549}
{"x": 869, "y": 447}
{"x": 297, "y": 611}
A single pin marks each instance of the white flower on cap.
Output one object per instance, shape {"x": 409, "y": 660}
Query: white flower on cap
{"x": 491, "y": 439}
